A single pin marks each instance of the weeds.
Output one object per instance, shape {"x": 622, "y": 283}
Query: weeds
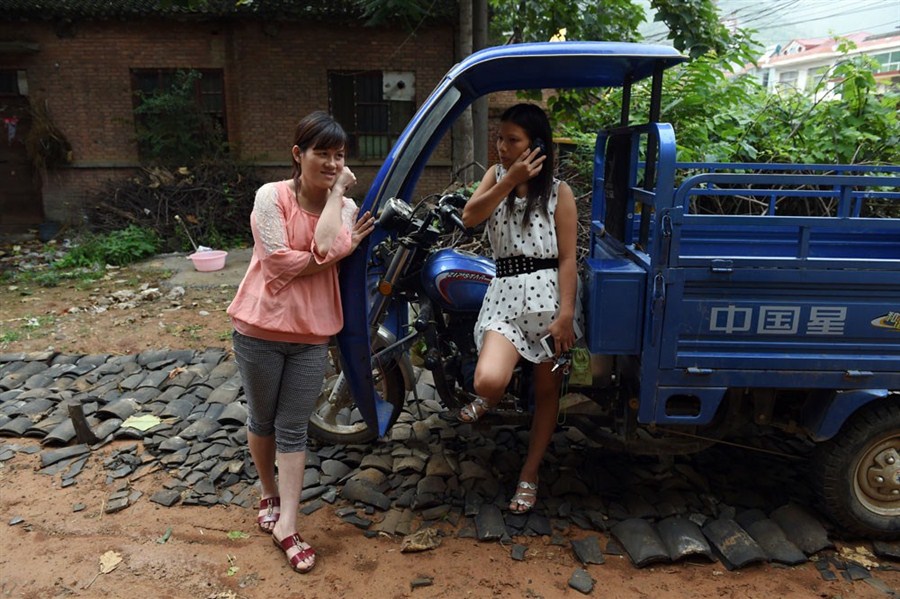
{"x": 118, "y": 248}
{"x": 31, "y": 327}
{"x": 9, "y": 336}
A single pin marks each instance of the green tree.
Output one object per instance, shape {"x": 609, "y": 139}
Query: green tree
{"x": 723, "y": 117}
{"x": 539, "y": 20}
{"x": 173, "y": 129}
{"x": 694, "y": 25}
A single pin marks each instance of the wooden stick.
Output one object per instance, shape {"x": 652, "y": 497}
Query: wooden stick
{"x": 83, "y": 431}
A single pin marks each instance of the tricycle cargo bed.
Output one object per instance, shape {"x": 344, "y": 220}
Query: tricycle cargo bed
{"x": 767, "y": 299}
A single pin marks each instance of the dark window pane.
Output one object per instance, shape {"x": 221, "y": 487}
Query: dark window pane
{"x": 9, "y": 83}
{"x": 368, "y": 86}
{"x": 401, "y": 114}
{"x": 341, "y": 98}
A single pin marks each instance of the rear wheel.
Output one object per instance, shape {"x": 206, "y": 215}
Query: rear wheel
{"x": 858, "y": 478}
{"x": 336, "y": 419}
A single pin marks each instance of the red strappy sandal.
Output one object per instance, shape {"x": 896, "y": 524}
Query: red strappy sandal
{"x": 271, "y": 516}
{"x": 302, "y": 555}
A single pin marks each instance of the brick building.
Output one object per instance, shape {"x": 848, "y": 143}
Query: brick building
{"x": 263, "y": 66}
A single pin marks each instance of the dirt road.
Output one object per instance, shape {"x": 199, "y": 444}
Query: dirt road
{"x": 61, "y": 542}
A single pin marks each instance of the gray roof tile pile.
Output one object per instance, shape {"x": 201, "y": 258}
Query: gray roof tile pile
{"x": 429, "y": 473}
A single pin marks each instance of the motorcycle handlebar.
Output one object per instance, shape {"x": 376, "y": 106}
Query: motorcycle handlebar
{"x": 454, "y": 199}
{"x": 449, "y": 207}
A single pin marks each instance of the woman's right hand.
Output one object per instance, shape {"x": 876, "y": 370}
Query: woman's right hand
{"x": 527, "y": 166}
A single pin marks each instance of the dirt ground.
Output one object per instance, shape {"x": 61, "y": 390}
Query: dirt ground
{"x": 49, "y": 548}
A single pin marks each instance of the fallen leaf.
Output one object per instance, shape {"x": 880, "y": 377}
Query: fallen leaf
{"x": 142, "y": 423}
{"x": 165, "y": 536}
{"x": 234, "y": 535}
{"x": 421, "y": 540}
{"x": 859, "y": 555}
{"x": 109, "y": 561}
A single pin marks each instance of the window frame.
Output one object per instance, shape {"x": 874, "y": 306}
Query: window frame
{"x": 373, "y": 123}
{"x": 891, "y": 63}
{"x": 783, "y": 83}
{"x": 165, "y": 78}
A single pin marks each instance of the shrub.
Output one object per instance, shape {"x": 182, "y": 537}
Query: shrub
{"x": 117, "y": 248}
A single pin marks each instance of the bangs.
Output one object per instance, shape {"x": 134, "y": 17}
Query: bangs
{"x": 332, "y": 137}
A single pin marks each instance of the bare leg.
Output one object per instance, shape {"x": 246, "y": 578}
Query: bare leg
{"x": 262, "y": 450}
{"x": 543, "y": 423}
{"x": 290, "y": 484}
{"x": 495, "y": 366}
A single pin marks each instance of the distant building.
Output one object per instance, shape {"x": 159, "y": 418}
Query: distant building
{"x": 84, "y": 65}
{"x": 802, "y": 64}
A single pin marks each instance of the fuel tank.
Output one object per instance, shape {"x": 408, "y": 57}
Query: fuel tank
{"x": 456, "y": 279}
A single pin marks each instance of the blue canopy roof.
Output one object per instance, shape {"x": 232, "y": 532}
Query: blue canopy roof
{"x": 559, "y": 65}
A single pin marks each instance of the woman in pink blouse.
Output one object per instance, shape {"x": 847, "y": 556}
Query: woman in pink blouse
{"x": 286, "y": 309}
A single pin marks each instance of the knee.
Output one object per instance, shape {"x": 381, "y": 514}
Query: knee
{"x": 490, "y": 384}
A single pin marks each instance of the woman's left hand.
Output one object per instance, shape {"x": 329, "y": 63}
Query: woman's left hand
{"x": 346, "y": 179}
{"x": 361, "y": 229}
{"x": 563, "y": 332}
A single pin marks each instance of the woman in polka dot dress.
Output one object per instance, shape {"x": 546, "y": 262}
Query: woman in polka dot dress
{"x": 532, "y": 228}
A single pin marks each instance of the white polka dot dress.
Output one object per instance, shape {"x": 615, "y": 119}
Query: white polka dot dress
{"x": 521, "y": 307}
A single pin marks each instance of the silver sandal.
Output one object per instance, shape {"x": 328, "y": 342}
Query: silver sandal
{"x": 525, "y": 497}
{"x": 473, "y": 411}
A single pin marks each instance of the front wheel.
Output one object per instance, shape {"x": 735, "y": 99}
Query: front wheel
{"x": 858, "y": 478}
{"x": 336, "y": 419}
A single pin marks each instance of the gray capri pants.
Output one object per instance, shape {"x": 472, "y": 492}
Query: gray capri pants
{"x": 282, "y": 382}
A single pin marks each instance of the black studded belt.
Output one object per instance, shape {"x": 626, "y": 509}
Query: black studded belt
{"x": 520, "y": 265}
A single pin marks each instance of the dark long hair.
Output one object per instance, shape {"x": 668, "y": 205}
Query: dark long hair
{"x": 533, "y": 120}
{"x": 317, "y": 130}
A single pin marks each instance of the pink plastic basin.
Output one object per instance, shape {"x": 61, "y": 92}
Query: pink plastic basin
{"x": 209, "y": 260}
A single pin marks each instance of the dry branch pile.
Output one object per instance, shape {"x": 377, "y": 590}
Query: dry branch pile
{"x": 214, "y": 201}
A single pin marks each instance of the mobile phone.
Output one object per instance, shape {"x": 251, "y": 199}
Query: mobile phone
{"x": 537, "y": 142}
{"x": 549, "y": 344}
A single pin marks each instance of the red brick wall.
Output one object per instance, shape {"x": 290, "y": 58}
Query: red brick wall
{"x": 274, "y": 74}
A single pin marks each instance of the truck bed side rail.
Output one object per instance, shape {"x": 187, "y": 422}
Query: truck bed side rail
{"x": 848, "y": 228}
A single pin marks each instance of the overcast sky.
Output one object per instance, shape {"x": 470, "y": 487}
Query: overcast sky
{"x": 779, "y": 21}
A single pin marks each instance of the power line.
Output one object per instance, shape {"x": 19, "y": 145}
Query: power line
{"x": 799, "y": 16}
{"x": 837, "y": 14}
{"x": 775, "y": 11}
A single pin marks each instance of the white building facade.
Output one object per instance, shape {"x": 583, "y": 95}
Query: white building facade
{"x": 807, "y": 65}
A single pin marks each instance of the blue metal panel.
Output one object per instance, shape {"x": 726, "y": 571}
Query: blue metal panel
{"x": 696, "y": 377}
{"x": 614, "y": 304}
{"x": 828, "y": 242}
{"x": 824, "y": 419}
{"x": 781, "y": 319}
{"x": 709, "y": 399}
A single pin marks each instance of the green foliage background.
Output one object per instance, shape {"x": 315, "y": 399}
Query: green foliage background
{"x": 726, "y": 117}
